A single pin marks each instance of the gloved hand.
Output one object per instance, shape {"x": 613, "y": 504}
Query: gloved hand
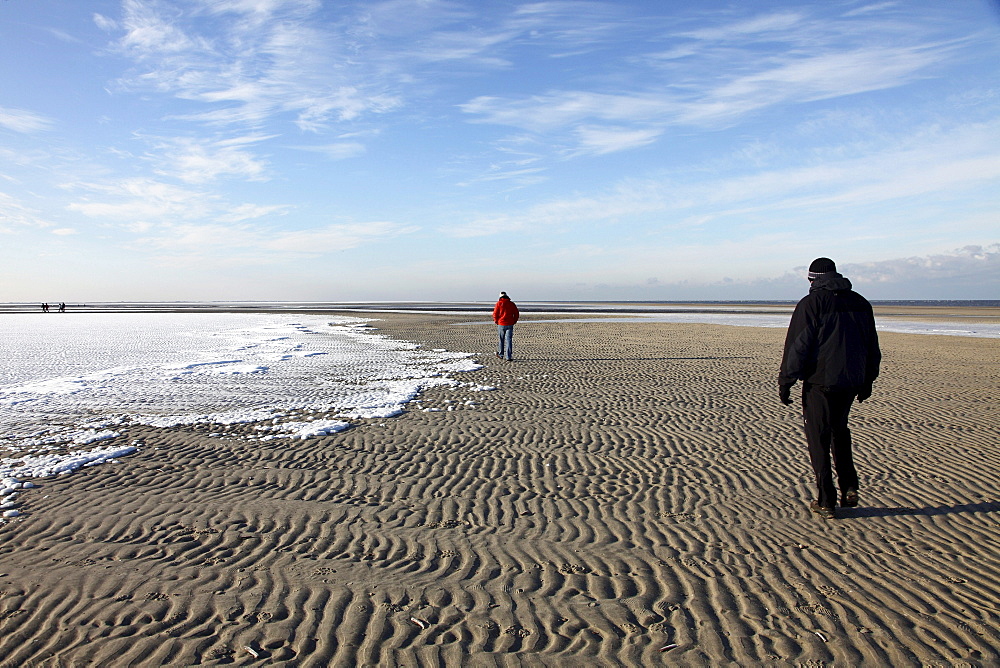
{"x": 865, "y": 392}
{"x": 785, "y": 394}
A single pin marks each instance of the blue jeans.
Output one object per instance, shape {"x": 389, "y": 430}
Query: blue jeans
{"x": 506, "y": 346}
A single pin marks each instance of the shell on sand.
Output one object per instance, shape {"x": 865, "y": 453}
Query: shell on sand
{"x": 626, "y": 488}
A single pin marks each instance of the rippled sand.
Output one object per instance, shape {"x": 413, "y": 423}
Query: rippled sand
{"x": 630, "y": 494}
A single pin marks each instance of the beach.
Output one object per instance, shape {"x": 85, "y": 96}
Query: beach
{"x": 622, "y": 494}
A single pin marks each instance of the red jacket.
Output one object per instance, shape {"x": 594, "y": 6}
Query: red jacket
{"x": 505, "y": 312}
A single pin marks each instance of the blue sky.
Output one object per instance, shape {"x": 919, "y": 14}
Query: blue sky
{"x": 427, "y": 150}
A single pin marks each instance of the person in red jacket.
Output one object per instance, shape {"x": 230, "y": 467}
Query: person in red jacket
{"x": 505, "y": 314}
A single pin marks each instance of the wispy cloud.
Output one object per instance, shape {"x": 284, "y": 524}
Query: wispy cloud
{"x": 521, "y": 176}
{"x": 191, "y": 222}
{"x": 200, "y": 161}
{"x": 337, "y": 150}
{"x": 149, "y": 32}
{"x": 561, "y": 110}
{"x": 919, "y": 163}
{"x": 601, "y": 140}
{"x": 809, "y": 79}
{"x": 257, "y": 61}
{"x": 244, "y": 212}
{"x": 626, "y": 199}
{"x": 142, "y": 204}
{"x": 335, "y": 237}
{"x": 773, "y": 25}
{"x": 872, "y": 8}
{"x": 249, "y": 243}
{"x": 142, "y": 199}
{"x": 269, "y": 62}
{"x": 14, "y": 215}
{"x": 796, "y": 81}
{"x": 714, "y": 77}
{"x": 408, "y": 32}
{"x": 20, "y": 120}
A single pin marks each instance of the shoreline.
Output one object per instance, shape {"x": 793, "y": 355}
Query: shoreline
{"x": 627, "y": 488}
{"x": 887, "y": 307}
{"x": 901, "y": 317}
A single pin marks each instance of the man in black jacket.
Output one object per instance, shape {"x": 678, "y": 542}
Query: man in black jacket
{"x": 832, "y": 347}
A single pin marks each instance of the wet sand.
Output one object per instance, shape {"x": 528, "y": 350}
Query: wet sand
{"x": 630, "y": 494}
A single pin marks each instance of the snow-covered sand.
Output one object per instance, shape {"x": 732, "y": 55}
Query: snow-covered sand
{"x": 69, "y": 383}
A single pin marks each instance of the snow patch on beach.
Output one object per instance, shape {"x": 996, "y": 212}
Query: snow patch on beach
{"x": 69, "y": 383}
{"x": 303, "y": 430}
{"x": 43, "y": 466}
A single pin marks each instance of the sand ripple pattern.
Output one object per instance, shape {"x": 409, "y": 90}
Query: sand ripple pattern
{"x": 628, "y": 488}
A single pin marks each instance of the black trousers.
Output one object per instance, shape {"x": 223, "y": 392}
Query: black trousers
{"x": 824, "y": 414}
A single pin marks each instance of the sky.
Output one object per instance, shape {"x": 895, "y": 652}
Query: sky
{"x": 309, "y": 150}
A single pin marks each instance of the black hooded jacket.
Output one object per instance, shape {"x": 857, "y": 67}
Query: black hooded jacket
{"x": 831, "y": 340}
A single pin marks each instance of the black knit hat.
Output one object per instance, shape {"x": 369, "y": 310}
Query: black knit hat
{"x": 821, "y": 265}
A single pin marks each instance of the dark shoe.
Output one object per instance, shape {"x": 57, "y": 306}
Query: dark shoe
{"x": 850, "y": 499}
{"x": 823, "y": 511}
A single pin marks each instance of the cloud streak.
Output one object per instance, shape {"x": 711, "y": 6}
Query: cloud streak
{"x": 257, "y": 61}
{"x": 712, "y": 83}
{"x": 15, "y": 216}
{"x": 199, "y": 161}
{"x": 19, "y": 120}
{"x": 142, "y": 199}
{"x": 937, "y": 161}
{"x": 250, "y": 244}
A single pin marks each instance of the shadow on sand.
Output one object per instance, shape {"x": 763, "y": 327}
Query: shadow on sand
{"x": 928, "y": 511}
{"x": 623, "y": 359}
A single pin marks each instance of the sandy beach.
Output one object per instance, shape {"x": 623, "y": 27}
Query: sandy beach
{"x": 629, "y": 494}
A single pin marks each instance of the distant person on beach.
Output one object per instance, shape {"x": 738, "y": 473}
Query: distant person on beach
{"x": 832, "y": 347}
{"x": 505, "y": 315}
{"x": 45, "y": 307}
{"x": 62, "y": 307}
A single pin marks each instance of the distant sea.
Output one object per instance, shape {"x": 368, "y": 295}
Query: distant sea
{"x": 637, "y": 306}
{"x": 951, "y": 317}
